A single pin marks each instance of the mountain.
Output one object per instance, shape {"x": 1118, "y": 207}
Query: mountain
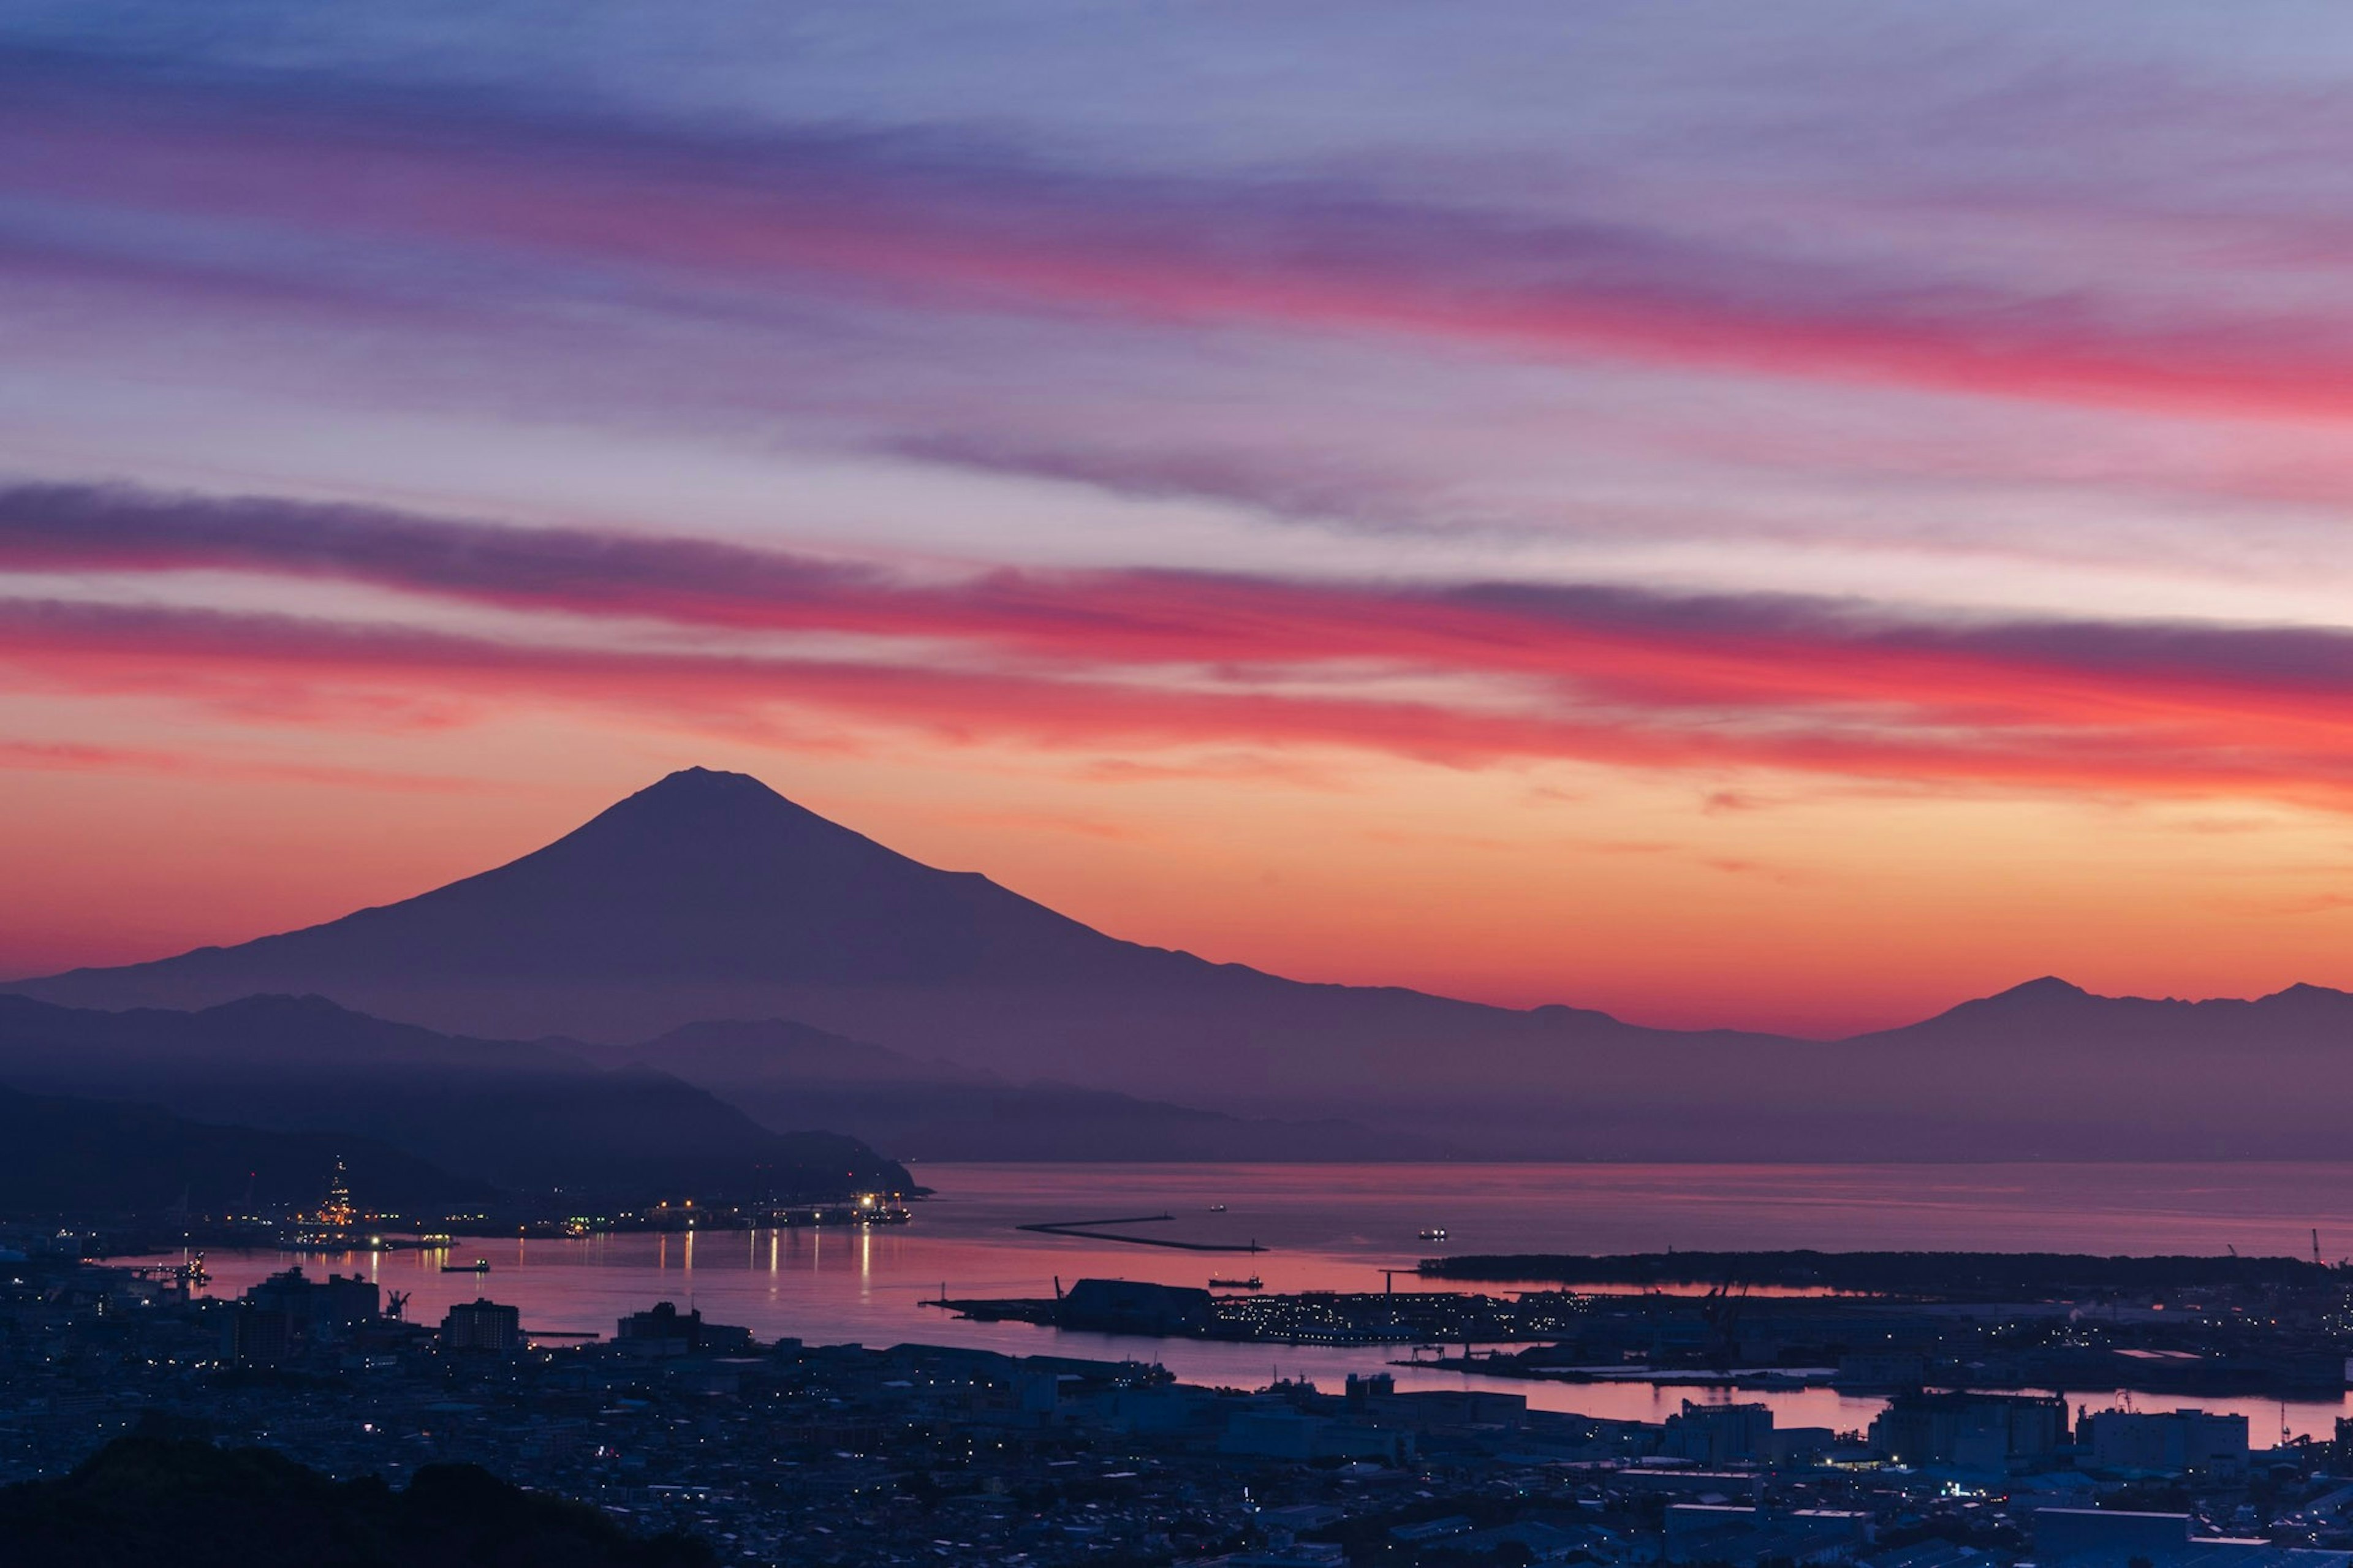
{"x": 61, "y": 1155}
{"x": 786, "y": 1074}
{"x": 520, "y": 1115}
{"x": 708, "y": 896}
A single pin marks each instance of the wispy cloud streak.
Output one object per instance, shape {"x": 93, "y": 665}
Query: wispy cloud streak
{"x": 970, "y": 226}
{"x": 1465, "y": 674}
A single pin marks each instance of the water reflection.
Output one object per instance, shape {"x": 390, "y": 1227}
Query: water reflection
{"x": 1337, "y": 1227}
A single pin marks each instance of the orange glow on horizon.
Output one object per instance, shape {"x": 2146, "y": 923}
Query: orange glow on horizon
{"x": 1612, "y": 521}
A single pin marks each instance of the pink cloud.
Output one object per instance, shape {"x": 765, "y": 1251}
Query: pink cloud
{"x": 927, "y": 224}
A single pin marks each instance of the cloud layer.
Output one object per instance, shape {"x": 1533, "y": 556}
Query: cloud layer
{"x": 1466, "y": 674}
{"x": 915, "y": 218}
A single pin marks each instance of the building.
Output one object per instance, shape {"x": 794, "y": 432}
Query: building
{"x": 1676, "y": 1482}
{"x": 663, "y": 1330}
{"x": 1802, "y": 1445}
{"x": 2093, "y": 1537}
{"x": 2116, "y": 1538}
{"x": 1295, "y": 1434}
{"x": 2170, "y": 1442}
{"x": 1374, "y": 1398}
{"x": 338, "y": 1301}
{"x": 1716, "y": 1533}
{"x": 289, "y": 1312}
{"x": 482, "y": 1325}
{"x": 1720, "y": 1434}
{"x": 1986, "y": 1431}
{"x": 336, "y": 1211}
{"x": 1134, "y": 1307}
{"x": 251, "y": 1336}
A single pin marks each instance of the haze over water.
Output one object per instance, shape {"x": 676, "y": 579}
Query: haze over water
{"x": 1338, "y": 1226}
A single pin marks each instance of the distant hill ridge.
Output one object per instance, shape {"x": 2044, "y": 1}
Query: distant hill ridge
{"x": 81, "y": 1158}
{"x": 788, "y": 1074}
{"x": 710, "y": 897}
{"x": 518, "y": 1115}
{"x": 701, "y": 1105}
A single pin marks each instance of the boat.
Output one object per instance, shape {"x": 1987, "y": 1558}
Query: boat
{"x": 479, "y": 1266}
{"x": 1435, "y": 1234}
{"x": 1252, "y": 1283}
{"x": 1217, "y": 1209}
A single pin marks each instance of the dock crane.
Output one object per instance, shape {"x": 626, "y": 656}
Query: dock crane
{"x": 1720, "y": 1308}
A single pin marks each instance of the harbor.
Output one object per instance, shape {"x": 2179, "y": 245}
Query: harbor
{"x": 1335, "y": 1236}
{"x": 2174, "y": 1326}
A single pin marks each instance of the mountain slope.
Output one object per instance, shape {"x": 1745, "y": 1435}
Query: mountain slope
{"x": 528, "y": 1116}
{"x": 705, "y": 877}
{"x": 708, "y": 896}
{"x": 61, "y": 1155}
{"x": 788, "y": 1075}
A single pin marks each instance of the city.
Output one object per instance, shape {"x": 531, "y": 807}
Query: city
{"x": 698, "y": 1436}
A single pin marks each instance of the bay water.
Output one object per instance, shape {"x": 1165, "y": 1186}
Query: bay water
{"x": 1339, "y": 1228}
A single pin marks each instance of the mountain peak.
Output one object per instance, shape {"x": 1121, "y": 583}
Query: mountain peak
{"x": 702, "y": 779}
{"x": 2049, "y": 988}
{"x": 702, "y": 787}
{"x": 2042, "y": 998}
{"x": 716, "y": 808}
{"x": 705, "y": 885}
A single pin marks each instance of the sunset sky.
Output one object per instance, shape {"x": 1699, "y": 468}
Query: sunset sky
{"x": 1783, "y": 516}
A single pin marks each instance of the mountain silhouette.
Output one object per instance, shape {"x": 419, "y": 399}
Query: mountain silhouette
{"x": 526, "y": 1116}
{"x": 67, "y": 1156}
{"x": 704, "y": 879}
{"x": 786, "y": 1075}
{"x": 710, "y": 897}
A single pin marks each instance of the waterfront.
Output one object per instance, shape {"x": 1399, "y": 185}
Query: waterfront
{"x": 1335, "y": 1228}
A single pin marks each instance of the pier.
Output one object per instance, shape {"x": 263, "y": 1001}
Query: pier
{"x": 1090, "y": 1231}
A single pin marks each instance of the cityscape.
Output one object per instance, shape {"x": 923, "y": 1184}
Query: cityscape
{"x": 765, "y": 1451}
{"x": 1020, "y": 784}
{"x": 700, "y": 1441}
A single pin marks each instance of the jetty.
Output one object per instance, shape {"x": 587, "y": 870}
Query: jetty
{"x": 1093, "y": 1230}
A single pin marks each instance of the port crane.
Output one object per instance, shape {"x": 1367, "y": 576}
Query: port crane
{"x": 1720, "y": 1309}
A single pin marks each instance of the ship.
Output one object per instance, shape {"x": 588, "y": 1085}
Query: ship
{"x": 1217, "y": 1209}
{"x": 1252, "y": 1283}
{"x": 182, "y": 1276}
{"x": 1436, "y": 1233}
{"x": 479, "y": 1266}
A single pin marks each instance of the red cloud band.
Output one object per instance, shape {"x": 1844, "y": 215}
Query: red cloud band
{"x": 1761, "y": 654}
{"x": 1084, "y": 661}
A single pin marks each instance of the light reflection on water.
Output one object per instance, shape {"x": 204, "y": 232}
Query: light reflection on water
{"x": 1337, "y": 1227}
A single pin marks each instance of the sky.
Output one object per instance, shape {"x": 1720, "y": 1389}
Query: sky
{"x": 1781, "y": 515}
